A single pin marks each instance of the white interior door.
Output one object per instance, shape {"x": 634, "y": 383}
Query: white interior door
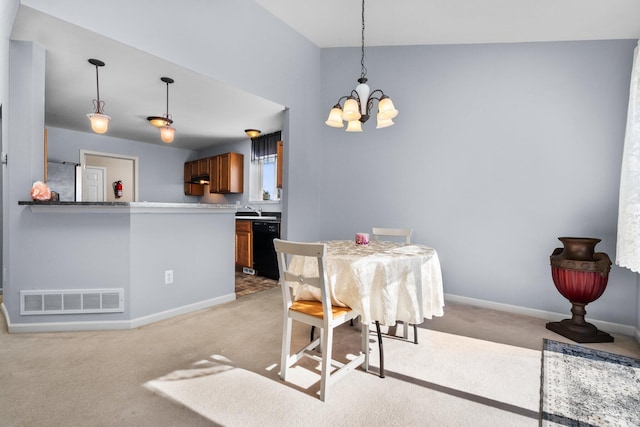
{"x": 93, "y": 189}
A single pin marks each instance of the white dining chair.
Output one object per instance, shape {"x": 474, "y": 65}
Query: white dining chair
{"x": 378, "y": 232}
{"x": 320, "y": 314}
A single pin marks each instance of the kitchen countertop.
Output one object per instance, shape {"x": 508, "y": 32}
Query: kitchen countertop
{"x": 132, "y": 207}
{"x": 252, "y": 216}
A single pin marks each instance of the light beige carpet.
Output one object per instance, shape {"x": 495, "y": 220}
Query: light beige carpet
{"x": 446, "y": 380}
{"x": 219, "y": 366}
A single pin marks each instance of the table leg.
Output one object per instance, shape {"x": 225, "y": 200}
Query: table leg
{"x": 380, "y": 349}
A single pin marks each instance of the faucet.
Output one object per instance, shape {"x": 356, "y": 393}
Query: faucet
{"x": 258, "y": 210}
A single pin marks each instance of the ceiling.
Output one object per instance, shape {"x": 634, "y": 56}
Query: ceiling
{"x": 207, "y": 112}
{"x": 335, "y": 23}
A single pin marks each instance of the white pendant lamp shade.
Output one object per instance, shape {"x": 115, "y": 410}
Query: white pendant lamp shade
{"x": 350, "y": 111}
{"x": 167, "y": 133}
{"x": 335, "y": 117}
{"x": 99, "y": 122}
{"x": 386, "y": 109}
{"x": 354, "y": 126}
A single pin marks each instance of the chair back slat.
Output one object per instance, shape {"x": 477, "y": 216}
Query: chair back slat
{"x": 303, "y": 280}
{"x": 392, "y": 232}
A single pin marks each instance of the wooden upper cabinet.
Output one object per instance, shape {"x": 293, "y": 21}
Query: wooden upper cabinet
{"x": 188, "y": 170}
{"x": 203, "y": 167}
{"x": 191, "y": 189}
{"x": 226, "y": 173}
{"x": 194, "y": 168}
{"x": 279, "y": 163}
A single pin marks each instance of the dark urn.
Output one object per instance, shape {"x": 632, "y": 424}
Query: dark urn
{"x": 580, "y": 275}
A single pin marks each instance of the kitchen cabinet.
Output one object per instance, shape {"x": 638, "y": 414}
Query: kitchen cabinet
{"x": 244, "y": 244}
{"x": 189, "y": 169}
{"x": 279, "y": 163}
{"x": 190, "y": 172}
{"x": 191, "y": 189}
{"x": 226, "y": 173}
{"x": 196, "y": 169}
{"x": 203, "y": 166}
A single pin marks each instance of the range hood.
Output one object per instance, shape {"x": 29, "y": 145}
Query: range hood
{"x": 201, "y": 179}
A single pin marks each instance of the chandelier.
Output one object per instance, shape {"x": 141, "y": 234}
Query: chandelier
{"x": 358, "y": 104}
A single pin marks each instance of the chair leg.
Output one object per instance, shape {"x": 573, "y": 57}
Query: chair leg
{"x": 381, "y": 351}
{"x": 327, "y": 339}
{"x": 286, "y": 347}
{"x": 415, "y": 333}
{"x": 313, "y": 332}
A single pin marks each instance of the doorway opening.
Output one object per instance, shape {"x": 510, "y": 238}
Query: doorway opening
{"x": 100, "y": 170}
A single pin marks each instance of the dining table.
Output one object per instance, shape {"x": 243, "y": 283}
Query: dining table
{"x": 384, "y": 281}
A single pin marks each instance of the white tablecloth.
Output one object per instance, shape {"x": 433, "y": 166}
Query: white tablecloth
{"x": 384, "y": 281}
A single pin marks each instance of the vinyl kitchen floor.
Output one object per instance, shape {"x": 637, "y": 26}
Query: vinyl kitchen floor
{"x": 247, "y": 284}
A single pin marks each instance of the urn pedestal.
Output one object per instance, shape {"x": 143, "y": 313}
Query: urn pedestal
{"x": 580, "y": 275}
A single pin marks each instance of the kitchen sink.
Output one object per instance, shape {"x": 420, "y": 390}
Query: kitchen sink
{"x": 257, "y": 218}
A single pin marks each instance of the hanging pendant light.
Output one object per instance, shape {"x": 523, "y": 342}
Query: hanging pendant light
{"x": 167, "y": 132}
{"x": 99, "y": 120}
{"x": 357, "y": 105}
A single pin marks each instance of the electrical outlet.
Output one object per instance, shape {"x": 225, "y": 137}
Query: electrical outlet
{"x": 168, "y": 277}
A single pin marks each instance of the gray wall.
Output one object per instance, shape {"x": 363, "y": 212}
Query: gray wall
{"x": 497, "y": 151}
{"x": 8, "y": 10}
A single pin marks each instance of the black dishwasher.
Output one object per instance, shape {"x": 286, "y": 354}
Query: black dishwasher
{"x": 265, "y": 262}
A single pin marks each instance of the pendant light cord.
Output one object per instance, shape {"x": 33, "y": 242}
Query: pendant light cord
{"x": 363, "y": 70}
{"x": 167, "y": 99}
{"x": 99, "y": 105}
{"x": 97, "y": 85}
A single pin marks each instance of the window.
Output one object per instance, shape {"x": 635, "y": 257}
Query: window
{"x": 263, "y": 168}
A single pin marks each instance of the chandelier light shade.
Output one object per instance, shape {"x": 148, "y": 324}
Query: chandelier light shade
{"x": 354, "y": 126}
{"x": 252, "y": 133}
{"x": 164, "y": 122}
{"x": 358, "y": 104}
{"x": 99, "y": 120}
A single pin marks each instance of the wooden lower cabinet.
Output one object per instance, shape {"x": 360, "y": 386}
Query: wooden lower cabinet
{"x": 244, "y": 243}
{"x": 191, "y": 189}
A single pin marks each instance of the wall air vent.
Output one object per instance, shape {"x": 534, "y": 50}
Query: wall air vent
{"x": 72, "y": 301}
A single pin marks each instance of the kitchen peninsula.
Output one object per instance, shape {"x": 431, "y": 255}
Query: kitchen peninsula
{"x": 122, "y": 264}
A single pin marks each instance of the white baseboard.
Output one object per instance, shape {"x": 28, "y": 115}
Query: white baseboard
{"x": 16, "y": 328}
{"x": 611, "y": 327}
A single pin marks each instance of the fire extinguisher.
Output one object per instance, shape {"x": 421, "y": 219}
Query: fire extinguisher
{"x": 117, "y": 189}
